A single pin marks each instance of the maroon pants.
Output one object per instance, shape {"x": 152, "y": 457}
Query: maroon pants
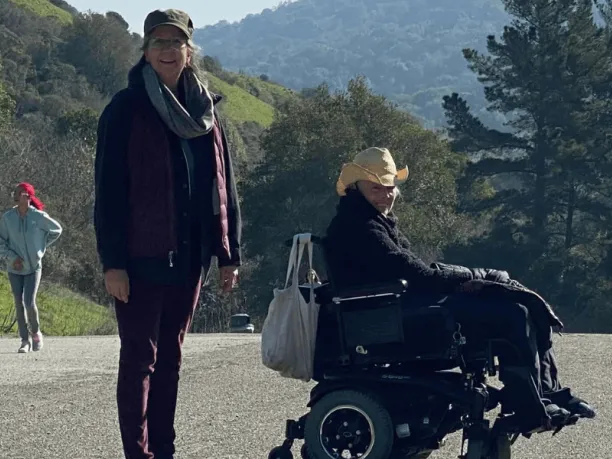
{"x": 152, "y": 327}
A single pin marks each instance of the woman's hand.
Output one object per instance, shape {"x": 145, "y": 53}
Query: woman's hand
{"x": 228, "y": 278}
{"x": 117, "y": 284}
{"x": 18, "y": 264}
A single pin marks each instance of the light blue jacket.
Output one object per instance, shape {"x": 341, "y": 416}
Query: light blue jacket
{"x": 27, "y": 238}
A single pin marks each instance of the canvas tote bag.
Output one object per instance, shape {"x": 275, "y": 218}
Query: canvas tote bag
{"x": 289, "y": 331}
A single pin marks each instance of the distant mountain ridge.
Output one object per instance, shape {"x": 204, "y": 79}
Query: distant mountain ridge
{"x": 409, "y": 51}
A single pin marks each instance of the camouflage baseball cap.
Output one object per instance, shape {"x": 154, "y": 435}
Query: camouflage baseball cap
{"x": 176, "y": 18}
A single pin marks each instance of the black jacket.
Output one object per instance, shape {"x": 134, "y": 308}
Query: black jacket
{"x": 153, "y": 210}
{"x": 363, "y": 246}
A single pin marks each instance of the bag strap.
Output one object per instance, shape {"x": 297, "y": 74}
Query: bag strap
{"x": 295, "y": 257}
{"x": 296, "y": 271}
{"x": 312, "y": 274}
{"x": 309, "y": 246}
{"x": 291, "y": 263}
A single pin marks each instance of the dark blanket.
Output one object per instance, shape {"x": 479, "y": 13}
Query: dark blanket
{"x": 497, "y": 285}
{"x": 538, "y": 307}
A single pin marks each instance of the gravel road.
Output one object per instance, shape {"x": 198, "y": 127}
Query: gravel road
{"x": 60, "y": 402}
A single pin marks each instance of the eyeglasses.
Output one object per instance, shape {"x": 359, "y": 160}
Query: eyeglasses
{"x": 163, "y": 43}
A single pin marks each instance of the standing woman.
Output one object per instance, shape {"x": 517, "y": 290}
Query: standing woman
{"x": 26, "y": 231}
{"x": 166, "y": 203}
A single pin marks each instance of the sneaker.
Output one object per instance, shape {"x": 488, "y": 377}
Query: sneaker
{"x": 37, "y": 340}
{"x": 25, "y": 347}
{"x": 580, "y": 408}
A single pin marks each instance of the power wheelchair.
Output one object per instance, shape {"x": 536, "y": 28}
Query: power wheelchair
{"x": 394, "y": 383}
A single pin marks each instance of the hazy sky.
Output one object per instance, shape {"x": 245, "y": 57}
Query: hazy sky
{"x": 202, "y": 12}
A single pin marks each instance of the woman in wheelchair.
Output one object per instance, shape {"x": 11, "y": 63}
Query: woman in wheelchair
{"x": 364, "y": 245}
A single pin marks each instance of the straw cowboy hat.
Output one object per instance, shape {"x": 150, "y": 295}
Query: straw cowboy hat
{"x": 374, "y": 165}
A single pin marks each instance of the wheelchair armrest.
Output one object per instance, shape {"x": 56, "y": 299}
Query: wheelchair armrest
{"x": 378, "y": 289}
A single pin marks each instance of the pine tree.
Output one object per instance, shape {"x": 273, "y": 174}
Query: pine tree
{"x": 541, "y": 75}
{"x": 550, "y": 75}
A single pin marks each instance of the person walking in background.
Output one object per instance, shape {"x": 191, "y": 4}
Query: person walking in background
{"x": 26, "y": 231}
{"x": 165, "y": 204}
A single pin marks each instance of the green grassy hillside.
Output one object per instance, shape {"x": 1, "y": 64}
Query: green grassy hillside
{"x": 44, "y": 8}
{"x": 248, "y": 99}
{"x": 62, "y": 312}
{"x": 271, "y": 93}
{"x": 64, "y": 83}
{"x": 241, "y": 106}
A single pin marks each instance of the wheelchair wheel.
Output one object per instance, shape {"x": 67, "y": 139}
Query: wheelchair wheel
{"x": 348, "y": 424}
